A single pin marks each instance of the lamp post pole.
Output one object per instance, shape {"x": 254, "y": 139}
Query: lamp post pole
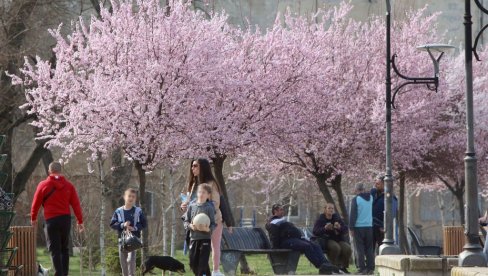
{"x": 472, "y": 254}
{"x": 388, "y": 247}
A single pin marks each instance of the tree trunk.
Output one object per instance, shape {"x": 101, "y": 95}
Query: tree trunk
{"x": 218, "y": 164}
{"x": 337, "y": 186}
{"x": 401, "y": 217}
{"x": 120, "y": 176}
{"x": 442, "y": 206}
{"x": 142, "y": 201}
{"x": 460, "y": 201}
{"x": 16, "y": 184}
{"x": 47, "y": 159}
{"x": 290, "y": 201}
{"x": 90, "y": 258}
{"x": 321, "y": 180}
{"x": 102, "y": 217}
{"x": 164, "y": 216}
{"x": 173, "y": 212}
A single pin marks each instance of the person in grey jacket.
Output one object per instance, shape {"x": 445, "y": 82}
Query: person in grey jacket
{"x": 361, "y": 225}
{"x": 200, "y": 233}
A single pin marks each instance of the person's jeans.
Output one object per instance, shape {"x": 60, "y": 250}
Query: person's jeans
{"x": 57, "y": 232}
{"x": 199, "y": 256}
{"x": 127, "y": 262}
{"x": 363, "y": 240}
{"x": 312, "y": 251}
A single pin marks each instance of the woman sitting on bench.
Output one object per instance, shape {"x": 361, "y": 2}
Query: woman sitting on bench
{"x": 331, "y": 233}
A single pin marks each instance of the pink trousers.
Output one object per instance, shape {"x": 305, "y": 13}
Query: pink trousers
{"x": 216, "y": 240}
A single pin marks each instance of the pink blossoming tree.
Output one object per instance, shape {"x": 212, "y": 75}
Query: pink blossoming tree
{"x": 123, "y": 79}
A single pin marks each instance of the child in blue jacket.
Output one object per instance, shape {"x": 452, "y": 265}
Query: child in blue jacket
{"x": 128, "y": 217}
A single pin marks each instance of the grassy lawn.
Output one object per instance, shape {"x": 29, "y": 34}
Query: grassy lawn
{"x": 74, "y": 263}
{"x": 258, "y": 263}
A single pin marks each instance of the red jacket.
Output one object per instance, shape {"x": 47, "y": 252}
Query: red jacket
{"x": 58, "y": 203}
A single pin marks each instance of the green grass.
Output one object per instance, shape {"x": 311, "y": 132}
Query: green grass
{"x": 74, "y": 263}
{"x": 258, "y": 263}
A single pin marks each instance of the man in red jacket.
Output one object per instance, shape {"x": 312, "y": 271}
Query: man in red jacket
{"x": 56, "y": 195}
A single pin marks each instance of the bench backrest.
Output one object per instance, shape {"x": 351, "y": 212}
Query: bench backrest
{"x": 415, "y": 238}
{"x": 245, "y": 238}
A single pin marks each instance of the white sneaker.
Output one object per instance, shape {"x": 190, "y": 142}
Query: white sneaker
{"x": 217, "y": 273}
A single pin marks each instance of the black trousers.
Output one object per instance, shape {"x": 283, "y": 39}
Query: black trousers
{"x": 363, "y": 240}
{"x": 57, "y": 232}
{"x": 378, "y": 236}
{"x": 199, "y": 256}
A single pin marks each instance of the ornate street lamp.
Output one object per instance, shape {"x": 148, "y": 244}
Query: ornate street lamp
{"x": 389, "y": 247}
{"x": 472, "y": 254}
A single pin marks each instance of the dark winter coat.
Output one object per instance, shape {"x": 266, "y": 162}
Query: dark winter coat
{"x": 279, "y": 230}
{"x": 334, "y": 234}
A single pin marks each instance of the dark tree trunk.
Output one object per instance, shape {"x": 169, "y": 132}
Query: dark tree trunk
{"x": 336, "y": 185}
{"x": 460, "y": 199}
{"x": 15, "y": 31}
{"x": 24, "y": 174}
{"x": 218, "y": 164}
{"x": 142, "y": 201}
{"x": 120, "y": 177}
{"x": 458, "y": 191}
{"x": 321, "y": 179}
{"x": 16, "y": 181}
{"x": 46, "y": 160}
{"x": 401, "y": 217}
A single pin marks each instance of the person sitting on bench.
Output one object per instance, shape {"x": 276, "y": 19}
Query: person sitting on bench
{"x": 285, "y": 235}
{"x": 331, "y": 233}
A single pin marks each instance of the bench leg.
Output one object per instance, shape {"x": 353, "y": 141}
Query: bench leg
{"x": 230, "y": 260}
{"x": 284, "y": 263}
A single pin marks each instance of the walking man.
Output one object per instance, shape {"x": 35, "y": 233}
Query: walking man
{"x": 56, "y": 195}
{"x": 361, "y": 224}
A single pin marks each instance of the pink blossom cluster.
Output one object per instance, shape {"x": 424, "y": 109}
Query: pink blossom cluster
{"x": 166, "y": 82}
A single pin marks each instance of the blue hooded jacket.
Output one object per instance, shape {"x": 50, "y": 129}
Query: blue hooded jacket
{"x": 361, "y": 211}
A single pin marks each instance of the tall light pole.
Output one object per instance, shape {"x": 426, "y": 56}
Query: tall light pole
{"x": 472, "y": 254}
{"x": 389, "y": 247}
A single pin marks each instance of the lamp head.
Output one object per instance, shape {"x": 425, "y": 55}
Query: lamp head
{"x": 438, "y": 49}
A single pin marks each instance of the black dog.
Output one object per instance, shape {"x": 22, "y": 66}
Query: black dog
{"x": 165, "y": 263}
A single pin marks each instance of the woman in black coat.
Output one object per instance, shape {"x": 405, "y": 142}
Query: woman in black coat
{"x": 331, "y": 233}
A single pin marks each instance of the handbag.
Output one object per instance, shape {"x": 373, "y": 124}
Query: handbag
{"x": 226, "y": 217}
{"x": 130, "y": 242}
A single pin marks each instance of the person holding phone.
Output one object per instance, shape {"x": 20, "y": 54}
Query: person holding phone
{"x": 332, "y": 235}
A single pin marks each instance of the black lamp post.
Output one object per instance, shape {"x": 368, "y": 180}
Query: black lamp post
{"x": 389, "y": 247}
{"x": 472, "y": 254}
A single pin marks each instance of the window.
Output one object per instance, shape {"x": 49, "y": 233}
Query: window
{"x": 291, "y": 206}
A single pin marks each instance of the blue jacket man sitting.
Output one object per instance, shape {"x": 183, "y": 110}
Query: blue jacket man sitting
{"x": 285, "y": 235}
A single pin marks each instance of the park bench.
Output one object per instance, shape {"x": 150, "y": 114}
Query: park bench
{"x": 252, "y": 241}
{"x": 421, "y": 249}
